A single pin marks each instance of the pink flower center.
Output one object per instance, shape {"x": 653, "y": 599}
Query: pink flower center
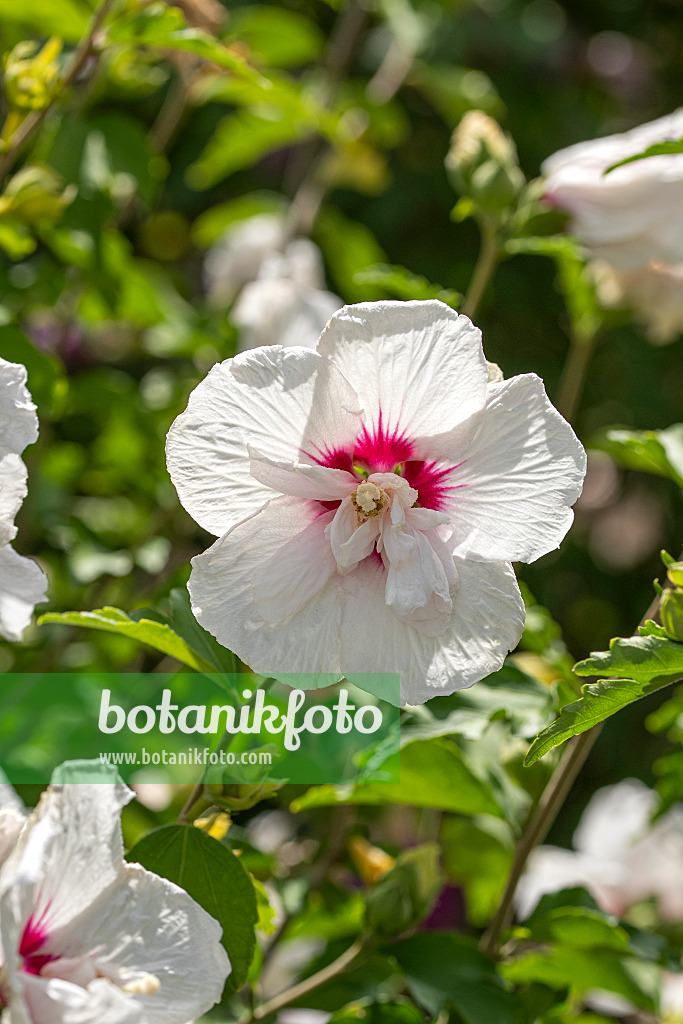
{"x": 33, "y": 939}
{"x": 380, "y": 449}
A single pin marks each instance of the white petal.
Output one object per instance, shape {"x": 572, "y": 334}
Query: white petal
{"x": 71, "y": 852}
{"x": 12, "y": 492}
{"x": 419, "y": 581}
{"x": 290, "y": 404}
{"x": 425, "y": 518}
{"x": 22, "y": 586}
{"x": 237, "y": 257}
{"x": 18, "y": 419}
{"x": 351, "y": 542}
{"x": 224, "y": 599}
{"x": 511, "y": 497}
{"x": 487, "y": 621}
{"x": 290, "y": 578}
{"x": 53, "y": 1001}
{"x": 144, "y": 924}
{"x": 629, "y": 216}
{"x": 280, "y": 311}
{"x": 418, "y": 365}
{"x": 319, "y": 483}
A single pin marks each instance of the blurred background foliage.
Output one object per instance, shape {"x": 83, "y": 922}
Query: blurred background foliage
{"x": 172, "y": 123}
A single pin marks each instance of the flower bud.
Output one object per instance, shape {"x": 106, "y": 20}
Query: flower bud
{"x": 675, "y": 574}
{"x": 35, "y": 195}
{"x": 405, "y": 895}
{"x": 371, "y": 862}
{"x": 671, "y": 612}
{"x": 482, "y": 163}
{"x": 32, "y": 75}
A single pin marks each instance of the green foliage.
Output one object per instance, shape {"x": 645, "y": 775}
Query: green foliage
{"x": 399, "y": 283}
{"x": 214, "y": 877}
{"x": 656, "y": 149}
{"x": 650, "y": 451}
{"x": 158, "y": 635}
{"x": 635, "y": 667}
{"x": 404, "y": 895}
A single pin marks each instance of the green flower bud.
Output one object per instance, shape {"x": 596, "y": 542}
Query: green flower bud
{"x": 671, "y": 613}
{"x": 32, "y": 75}
{"x": 482, "y": 163}
{"x": 675, "y": 574}
{"x": 405, "y": 895}
{"x": 35, "y": 196}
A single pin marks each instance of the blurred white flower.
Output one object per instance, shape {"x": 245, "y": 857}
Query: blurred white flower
{"x": 277, "y": 284}
{"x": 369, "y": 498}
{"x": 22, "y": 583}
{"x": 89, "y": 939}
{"x": 618, "y": 856}
{"x": 654, "y": 293}
{"x": 630, "y": 219}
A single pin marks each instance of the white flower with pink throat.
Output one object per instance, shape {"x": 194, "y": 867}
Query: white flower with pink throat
{"x": 87, "y": 938}
{"x": 22, "y": 583}
{"x": 369, "y": 498}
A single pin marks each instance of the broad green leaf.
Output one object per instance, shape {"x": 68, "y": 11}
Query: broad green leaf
{"x": 580, "y": 970}
{"x": 214, "y": 877}
{"x": 400, "y": 283}
{"x": 656, "y": 149}
{"x": 67, "y": 19}
{"x": 404, "y": 895}
{"x": 637, "y": 667}
{"x": 154, "y": 634}
{"x": 241, "y": 140}
{"x": 165, "y": 27}
{"x": 277, "y": 37}
{"x": 182, "y": 621}
{"x": 444, "y": 969}
{"x": 650, "y": 451}
{"x": 433, "y": 773}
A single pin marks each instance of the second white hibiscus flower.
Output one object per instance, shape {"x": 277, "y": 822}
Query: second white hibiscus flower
{"x": 369, "y": 498}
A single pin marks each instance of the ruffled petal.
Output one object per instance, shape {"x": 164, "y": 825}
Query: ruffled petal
{"x": 351, "y": 543}
{"x": 53, "y": 1001}
{"x": 18, "y": 418}
{"x": 510, "y": 499}
{"x": 486, "y": 622}
{"x": 419, "y": 580}
{"x": 318, "y": 483}
{"x": 417, "y": 367}
{"x": 12, "y": 492}
{"x": 296, "y": 572}
{"x": 224, "y": 599}
{"x": 144, "y": 925}
{"x": 22, "y": 586}
{"x": 290, "y": 404}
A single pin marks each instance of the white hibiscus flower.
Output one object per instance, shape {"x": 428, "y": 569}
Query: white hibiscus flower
{"x": 369, "y": 498}
{"x": 89, "y": 939}
{"x": 277, "y": 284}
{"x": 22, "y": 583}
{"x": 629, "y": 219}
{"x": 618, "y": 855}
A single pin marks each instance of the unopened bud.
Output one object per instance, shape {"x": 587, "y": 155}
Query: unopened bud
{"x": 32, "y": 74}
{"x": 675, "y": 574}
{"x": 405, "y": 895}
{"x": 482, "y": 163}
{"x": 35, "y": 195}
{"x": 371, "y": 862}
{"x": 671, "y": 613}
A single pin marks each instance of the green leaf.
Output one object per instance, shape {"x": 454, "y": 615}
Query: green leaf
{"x": 154, "y": 634}
{"x": 214, "y": 877}
{"x": 402, "y": 284}
{"x": 349, "y": 248}
{"x": 445, "y": 969}
{"x": 405, "y": 895}
{"x": 656, "y": 149}
{"x": 277, "y": 37}
{"x": 433, "y": 774}
{"x": 67, "y": 19}
{"x": 638, "y": 666}
{"x": 650, "y": 451}
{"x": 165, "y": 27}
